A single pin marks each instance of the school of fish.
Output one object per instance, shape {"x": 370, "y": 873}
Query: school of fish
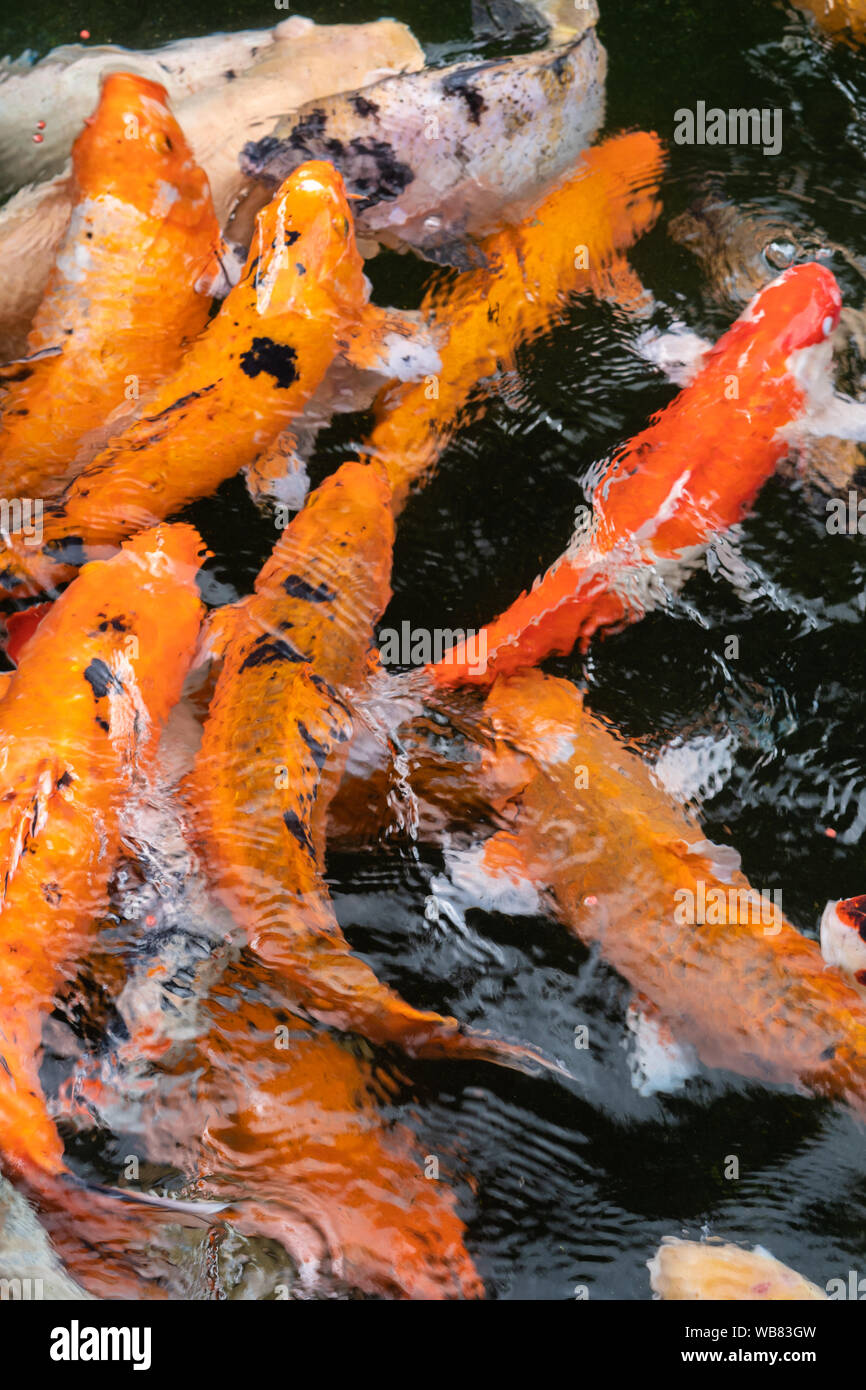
{"x": 196, "y": 305}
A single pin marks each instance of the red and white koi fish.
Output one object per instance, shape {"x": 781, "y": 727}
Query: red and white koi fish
{"x": 692, "y": 473}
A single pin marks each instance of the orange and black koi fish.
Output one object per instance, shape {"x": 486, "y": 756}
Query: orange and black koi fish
{"x": 121, "y": 306}
{"x": 692, "y": 473}
{"x": 262, "y": 785}
{"x": 84, "y": 709}
{"x": 572, "y": 243}
{"x": 302, "y": 300}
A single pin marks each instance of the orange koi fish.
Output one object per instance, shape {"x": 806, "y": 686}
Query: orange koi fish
{"x": 841, "y": 19}
{"x": 83, "y": 710}
{"x": 302, "y": 300}
{"x": 683, "y": 1270}
{"x": 121, "y": 305}
{"x": 571, "y": 244}
{"x": 321, "y": 1168}
{"x": 692, "y": 473}
{"x": 262, "y": 785}
{"x": 628, "y": 872}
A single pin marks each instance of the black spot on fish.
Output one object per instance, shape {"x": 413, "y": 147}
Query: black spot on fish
{"x": 65, "y": 779}
{"x": 301, "y": 269}
{"x": 103, "y": 724}
{"x": 292, "y": 236}
{"x": 297, "y": 587}
{"x": 562, "y": 69}
{"x": 459, "y": 84}
{"x": 296, "y": 827}
{"x": 230, "y": 74}
{"x": 116, "y": 624}
{"x": 277, "y": 359}
{"x": 266, "y": 653}
{"x": 372, "y": 170}
{"x": 52, "y": 894}
{"x": 312, "y": 127}
{"x": 364, "y": 107}
{"x": 101, "y": 679}
{"x": 318, "y": 750}
{"x": 256, "y": 157}
{"x": 829, "y": 1053}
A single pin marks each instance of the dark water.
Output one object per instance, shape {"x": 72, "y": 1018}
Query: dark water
{"x": 574, "y": 1183}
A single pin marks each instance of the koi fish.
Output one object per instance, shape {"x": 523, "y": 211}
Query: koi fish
{"x": 789, "y": 1018}
{"x": 320, "y": 1169}
{"x": 107, "y": 653}
{"x": 61, "y": 89}
{"x": 692, "y": 473}
{"x": 443, "y": 155}
{"x": 239, "y": 84}
{"x": 844, "y": 20}
{"x": 288, "y": 1126}
{"x": 683, "y": 1270}
{"x": 143, "y": 235}
{"x": 302, "y": 300}
{"x": 481, "y": 318}
{"x": 843, "y": 937}
{"x": 300, "y": 638}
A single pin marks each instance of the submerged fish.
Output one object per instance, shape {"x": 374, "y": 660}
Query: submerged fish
{"x": 210, "y": 1074}
{"x": 572, "y": 243}
{"x": 690, "y": 1269}
{"x": 841, "y": 19}
{"x": 261, "y": 788}
{"x": 240, "y": 85}
{"x": 82, "y": 711}
{"x": 691, "y": 474}
{"x": 122, "y": 304}
{"x": 628, "y": 872}
{"x": 443, "y": 155}
{"x": 302, "y": 301}
{"x": 843, "y": 937}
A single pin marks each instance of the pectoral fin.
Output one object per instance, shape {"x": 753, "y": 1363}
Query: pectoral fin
{"x": 398, "y": 346}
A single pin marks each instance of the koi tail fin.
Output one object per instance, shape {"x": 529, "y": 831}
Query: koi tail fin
{"x": 563, "y": 608}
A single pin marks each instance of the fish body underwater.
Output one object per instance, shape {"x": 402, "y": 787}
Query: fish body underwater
{"x": 690, "y": 475}
{"x": 441, "y": 157}
{"x": 482, "y": 317}
{"x": 302, "y": 300}
{"x": 82, "y": 711}
{"x": 261, "y": 788}
{"x": 122, "y": 306}
{"x": 626, "y": 871}
{"x": 691, "y": 1270}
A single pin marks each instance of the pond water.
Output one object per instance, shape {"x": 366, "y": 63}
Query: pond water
{"x": 573, "y": 1182}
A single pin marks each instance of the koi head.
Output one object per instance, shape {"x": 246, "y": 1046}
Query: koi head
{"x": 305, "y": 246}
{"x": 800, "y": 309}
{"x": 843, "y": 937}
{"x": 133, "y": 149}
